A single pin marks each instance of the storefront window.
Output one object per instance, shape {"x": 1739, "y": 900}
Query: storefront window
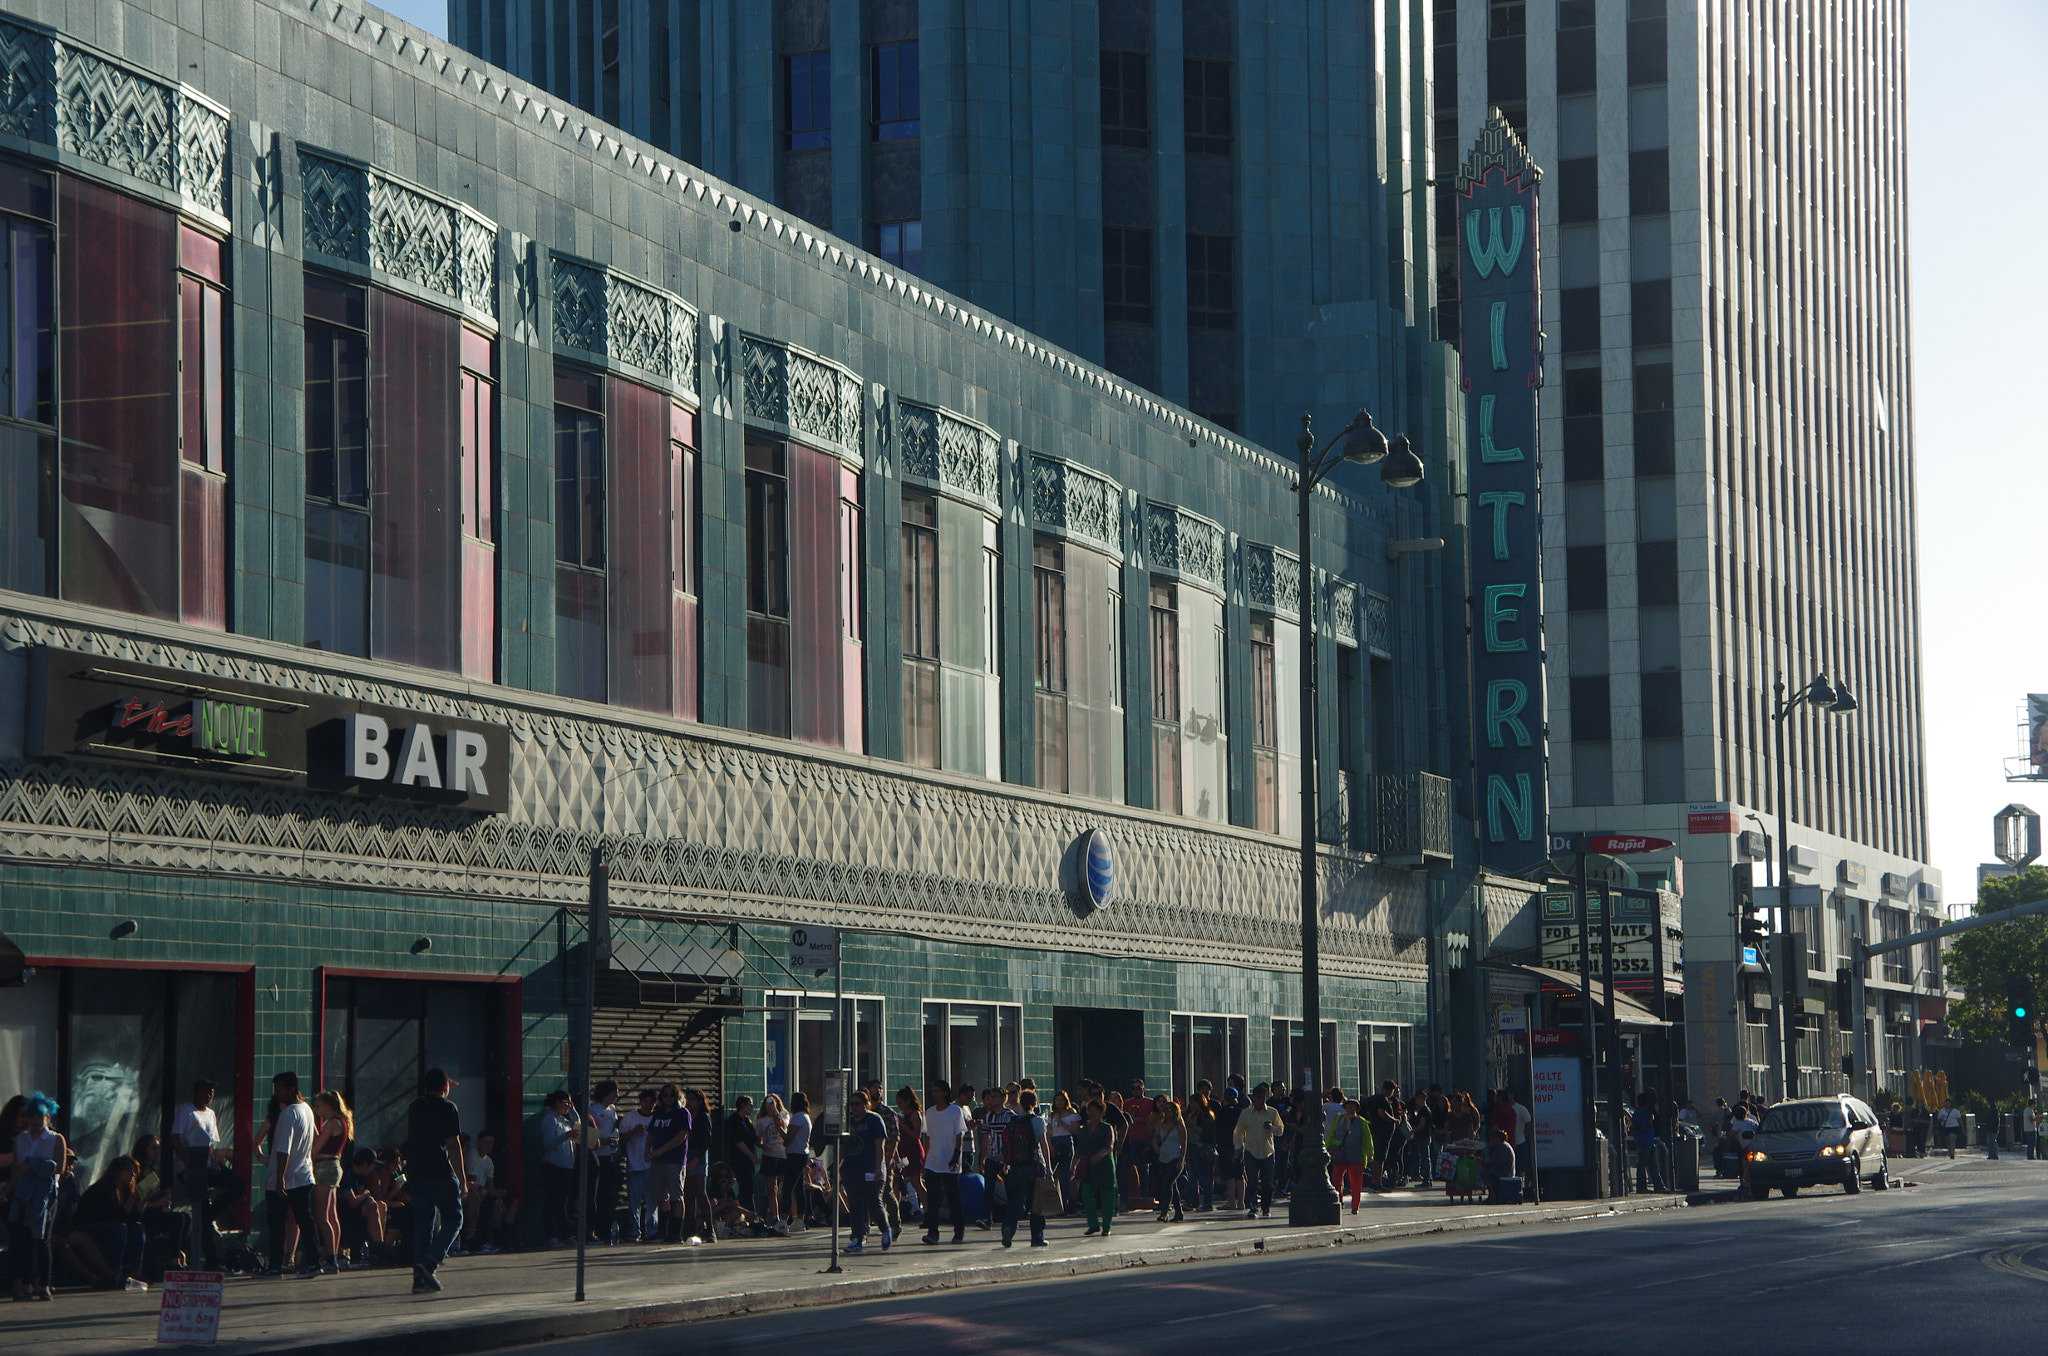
{"x": 1385, "y": 1050}
{"x": 803, "y": 1044}
{"x": 978, "y": 1044}
{"x": 380, "y": 1036}
{"x": 1210, "y": 1047}
{"x": 1290, "y": 1052}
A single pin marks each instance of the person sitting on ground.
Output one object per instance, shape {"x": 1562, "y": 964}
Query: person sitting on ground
{"x": 726, "y": 1209}
{"x": 496, "y": 1208}
{"x": 110, "y": 1214}
{"x": 1499, "y": 1161}
{"x": 387, "y": 1184}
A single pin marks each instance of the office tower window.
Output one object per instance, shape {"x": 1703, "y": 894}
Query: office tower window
{"x": 1585, "y": 578}
{"x": 579, "y": 535}
{"x": 1578, "y": 189}
{"x": 807, "y": 100}
{"x": 1577, "y": 66}
{"x": 1663, "y": 771}
{"x": 1206, "y": 106}
{"x": 608, "y": 60}
{"x": 1656, "y": 573}
{"x": 1655, "y": 428}
{"x": 1127, "y": 274}
{"x": 901, "y": 243}
{"x": 1650, "y": 312}
{"x": 1592, "y": 708}
{"x": 1584, "y": 453}
{"x": 952, "y": 696}
{"x": 1663, "y": 705}
{"x": 893, "y": 79}
{"x": 1507, "y": 68}
{"x": 1585, "y": 513}
{"x": 1592, "y": 729}
{"x": 337, "y": 354}
{"x": 1656, "y": 509}
{"x": 1212, "y": 281}
{"x": 1646, "y": 38}
{"x": 1649, "y": 182}
{"x": 476, "y": 415}
{"x": 1592, "y": 772}
{"x": 1579, "y": 318}
{"x": 1077, "y": 669}
{"x": 1126, "y": 99}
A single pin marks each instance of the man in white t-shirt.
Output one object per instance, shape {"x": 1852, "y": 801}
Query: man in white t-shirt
{"x": 1524, "y": 1118}
{"x": 945, "y": 1135}
{"x": 633, "y": 1134}
{"x": 289, "y": 1184}
{"x": 1743, "y": 1128}
{"x": 197, "y": 1147}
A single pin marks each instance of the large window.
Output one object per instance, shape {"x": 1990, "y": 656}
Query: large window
{"x": 803, "y": 1044}
{"x": 380, "y": 1036}
{"x": 1275, "y": 725}
{"x": 1209, "y": 1047}
{"x": 1127, "y": 274}
{"x": 807, "y": 100}
{"x": 1126, "y": 102}
{"x": 202, "y": 431}
{"x": 979, "y": 1044}
{"x": 28, "y": 383}
{"x": 1078, "y": 670}
{"x": 901, "y": 243}
{"x": 805, "y": 609}
{"x": 1290, "y": 1052}
{"x": 893, "y": 82}
{"x": 579, "y": 535}
{"x": 1205, "y": 97}
{"x": 951, "y": 693}
{"x": 399, "y": 559}
{"x": 1190, "y": 750}
{"x": 1212, "y": 281}
{"x": 1386, "y": 1050}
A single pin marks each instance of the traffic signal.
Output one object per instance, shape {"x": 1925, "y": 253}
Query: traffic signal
{"x": 1845, "y": 1013}
{"x": 2020, "y": 1014}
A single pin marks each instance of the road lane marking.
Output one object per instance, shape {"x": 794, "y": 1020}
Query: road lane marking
{"x": 1227, "y": 1313}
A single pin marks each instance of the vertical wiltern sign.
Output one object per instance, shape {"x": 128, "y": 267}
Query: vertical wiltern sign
{"x": 1499, "y": 320}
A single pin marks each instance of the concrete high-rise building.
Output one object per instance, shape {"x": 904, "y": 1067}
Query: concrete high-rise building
{"x": 1222, "y": 201}
{"x": 1727, "y": 452}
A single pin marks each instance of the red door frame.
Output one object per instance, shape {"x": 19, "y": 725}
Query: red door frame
{"x": 245, "y": 1042}
{"x": 512, "y": 1004}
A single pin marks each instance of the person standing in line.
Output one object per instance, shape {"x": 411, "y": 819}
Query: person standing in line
{"x": 558, "y": 1167}
{"x": 1027, "y": 1153}
{"x": 35, "y": 1177}
{"x": 1349, "y": 1141}
{"x": 1169, "y": 1140}
{"x": 945, "y": 1142}
{"x": 291, "y": 1168}
{"x": 1258, "y": 1132}
{"x": 1230, "y": 1163}
{"x": 743, "y": 1149}
{"x": 996, "y": 1116}
{"x": 434, "y": 1175}
{"x": 1518, "y": 1139}
{"x": 1095, "y": 1161}
{"x": 607, "y": 1178}
{"x": 861, "y": 1171}
{"x": 704, "y": 1139}
{"x": 890, "y": 1174}
{"x": 772, "y": 1125}
{"x": 1139, "y": 1158}
{"x": 1200, "y": 1181}
{"x": 336, "y": 1126}
{"x": 1948, "y": 1124}
{"x": 640, "y": 1216}
{"x": 211, "y": 1185}
{"x": 796, "y": 1144}
{"x": 2030, "y": 1128}
{"x": 668, "y": 1154}
{"x": 910, "y": 1151}
{"x": 1060, "y": 1126}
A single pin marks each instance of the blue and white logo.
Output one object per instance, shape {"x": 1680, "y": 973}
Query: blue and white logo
{"x": 1098, "y": 868}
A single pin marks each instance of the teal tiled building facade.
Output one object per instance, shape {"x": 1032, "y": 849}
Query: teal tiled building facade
{"x": 508, "y": 489}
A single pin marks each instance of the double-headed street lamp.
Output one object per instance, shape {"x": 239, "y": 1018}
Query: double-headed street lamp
{"x": 1312, "y": 1200}
{"x": 1833, "y": 698}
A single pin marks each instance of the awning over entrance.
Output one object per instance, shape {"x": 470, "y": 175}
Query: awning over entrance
{"x": 1627, "y": 1011}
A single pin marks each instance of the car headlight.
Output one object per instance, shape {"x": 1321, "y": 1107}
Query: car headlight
{"x": 1758, "y": 1156}
{"x": 1833, "y": 1151}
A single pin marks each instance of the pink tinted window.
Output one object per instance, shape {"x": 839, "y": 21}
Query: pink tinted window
{"x": 476, "y": 352}
{"x": 479, "y": 556}
{"x": 203, "y": 549}
{"x": 642, "y": 595}
{"x": 415, "y": 388}
{"x": 200, "y": 253}
{"x": 119, "y": 457}
{"x": 192, "y": 370}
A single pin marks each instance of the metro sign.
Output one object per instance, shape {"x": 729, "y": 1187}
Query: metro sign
{"x": 1621, "y": 844}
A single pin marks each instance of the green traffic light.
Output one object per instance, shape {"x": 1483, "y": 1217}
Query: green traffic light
{"x": 2020, "y": 1012}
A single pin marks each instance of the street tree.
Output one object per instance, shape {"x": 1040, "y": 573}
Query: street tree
{"x": 1988, "y": 963}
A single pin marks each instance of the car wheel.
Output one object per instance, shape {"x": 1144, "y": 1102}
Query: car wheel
{"x": 1853, "y": 1183}
{"x": 1882, "y": 1180}
{"x": 1789, "y": 1191}
{"x": 1758, "y": 1191}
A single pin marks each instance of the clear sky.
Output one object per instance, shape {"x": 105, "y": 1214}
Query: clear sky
{"x": 1977, "y": 344}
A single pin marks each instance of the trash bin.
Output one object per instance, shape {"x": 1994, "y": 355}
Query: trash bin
{"x": 1685, "y": 1158}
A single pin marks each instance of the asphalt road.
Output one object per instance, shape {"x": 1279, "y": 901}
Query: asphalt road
{"x": 1958, "y": 1262}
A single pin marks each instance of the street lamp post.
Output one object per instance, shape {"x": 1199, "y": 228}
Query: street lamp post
{"x": 1835, "y": 699}
{"x": 1312, "y": 1200}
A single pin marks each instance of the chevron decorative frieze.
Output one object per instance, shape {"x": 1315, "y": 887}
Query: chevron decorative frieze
{"x": 356, "y": 215}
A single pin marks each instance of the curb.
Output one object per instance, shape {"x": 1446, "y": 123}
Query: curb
{"x": 489, "y": 1334}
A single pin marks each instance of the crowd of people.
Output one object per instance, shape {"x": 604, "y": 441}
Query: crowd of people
{"x": 671, "y": 1165}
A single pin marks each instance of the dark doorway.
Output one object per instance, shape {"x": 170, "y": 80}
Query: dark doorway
{"x": 1105, "y": 1044}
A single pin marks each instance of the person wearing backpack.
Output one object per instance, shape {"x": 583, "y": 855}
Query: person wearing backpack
{"x": 1026, "y": 1156}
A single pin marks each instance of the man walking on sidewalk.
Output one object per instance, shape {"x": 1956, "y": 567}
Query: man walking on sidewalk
{"x": 434, "y": 1177}
{"x": 290, "y": 1184}
{"x": 945, "y": 1135}
{"x": 862, "y": 1171}
{"x": 1257, "y": 1134}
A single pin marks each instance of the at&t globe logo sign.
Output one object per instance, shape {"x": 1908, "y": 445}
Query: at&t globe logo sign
{"x": 1096, "y": 863}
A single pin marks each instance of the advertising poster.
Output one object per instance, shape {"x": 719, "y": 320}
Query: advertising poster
{"x": 1560, "y": 1123}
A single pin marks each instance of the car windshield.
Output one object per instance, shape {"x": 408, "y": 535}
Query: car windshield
{"x": 1804, "y": 1116}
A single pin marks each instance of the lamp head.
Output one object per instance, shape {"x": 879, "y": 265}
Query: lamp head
{"x": 1364, "y": 444}
{"x": 1843, "y": 703}
{"x": 1402, "y": 467}
{"x": 1820, "y": 692}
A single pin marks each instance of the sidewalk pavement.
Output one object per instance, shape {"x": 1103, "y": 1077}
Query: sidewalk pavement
{"x": 519, "y": 1298}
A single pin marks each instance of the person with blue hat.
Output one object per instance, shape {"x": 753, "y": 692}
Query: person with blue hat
{"x": 39, "y": 1157}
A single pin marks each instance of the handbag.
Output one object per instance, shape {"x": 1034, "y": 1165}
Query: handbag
{"x": 1045, "y": 1196}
